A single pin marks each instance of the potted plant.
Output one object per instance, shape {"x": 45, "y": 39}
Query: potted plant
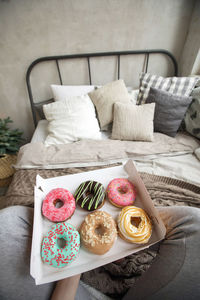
{"x": 10, "y": 141}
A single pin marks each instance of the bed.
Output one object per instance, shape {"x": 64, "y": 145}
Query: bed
{"x": 168, "y": 164}
{"x": 178, "y": 152}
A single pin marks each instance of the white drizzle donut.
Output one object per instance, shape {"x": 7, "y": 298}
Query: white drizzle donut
{"x": 134, "y": 225}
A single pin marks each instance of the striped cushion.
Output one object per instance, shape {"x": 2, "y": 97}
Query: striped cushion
{"x": 180, "y": 86}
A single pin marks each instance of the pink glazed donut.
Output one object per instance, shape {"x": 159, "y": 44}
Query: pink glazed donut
{"x": 121, "y": 192}
{"x": 62, "y": 213}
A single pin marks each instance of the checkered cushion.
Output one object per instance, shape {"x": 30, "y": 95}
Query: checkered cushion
{"x": 180, "y": 86}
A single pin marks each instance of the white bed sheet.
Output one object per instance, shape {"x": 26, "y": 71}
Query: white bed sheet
{"x": 183, "y": 167}
{"x": 179, "y": 166}
{"x": 41, "y": 132}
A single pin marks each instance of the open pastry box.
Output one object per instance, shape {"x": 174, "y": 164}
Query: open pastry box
{"x": 85, "y": 261}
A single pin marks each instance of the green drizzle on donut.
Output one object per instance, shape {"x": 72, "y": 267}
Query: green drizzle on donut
{"x": 90, "y": 195}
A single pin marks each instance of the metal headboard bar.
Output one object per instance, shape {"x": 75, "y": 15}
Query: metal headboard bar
{"x": 89, "y": 71}
{"x": 118, "y": 59}
{"x": 147, "y": 62}
{"x": 56, "y": 58}
{"x": 59, "y": 74}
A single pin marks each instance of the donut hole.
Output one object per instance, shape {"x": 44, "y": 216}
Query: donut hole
{"x": 122, "y": 190}
{"x": 61, "y": 242}
{"x": 135, "y": 221}
{"x": 58, "y": 203}
{"x": 99, "y": 230}
{"x": 88, "y": 194}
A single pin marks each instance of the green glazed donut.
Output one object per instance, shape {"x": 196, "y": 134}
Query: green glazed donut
{"x": 60, "y": 256}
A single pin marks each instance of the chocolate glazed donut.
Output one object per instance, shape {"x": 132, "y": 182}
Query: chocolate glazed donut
{"x": 90, "y": 195}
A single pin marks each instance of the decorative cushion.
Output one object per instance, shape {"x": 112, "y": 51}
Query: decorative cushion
{"x": 133, "y": 95}
{"x": 133, "y": 98}
{"x": 133, "y": 122}
{"x": 181, "y": 86}
{"x": 39, "y": 108}
{"x": 169, "y": 111}
{"x": 71, "y": 120}
{"x": 60, "y": 92}
{"x": 192, "y": 116}
{"x": 104, "y": 98}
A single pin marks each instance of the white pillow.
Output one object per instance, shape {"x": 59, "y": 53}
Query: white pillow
{"x": 60, "y": 92}
{"x": 71, "y": 120}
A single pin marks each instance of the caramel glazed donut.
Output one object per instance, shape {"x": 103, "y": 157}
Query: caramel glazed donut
{"x": 98, "y": 232}
{"x": 90, "y": 195}
{"x": 134, "y": 225}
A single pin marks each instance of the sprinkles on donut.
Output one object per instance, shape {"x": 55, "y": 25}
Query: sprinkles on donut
{"x": 90, "y": 195}
{"x": 56, "y": 255}
{"x": 58, "y": 214}
{"x": 121, "y": 192}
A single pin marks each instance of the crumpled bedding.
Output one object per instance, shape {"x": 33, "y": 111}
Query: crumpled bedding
{"x": 100, "y": 152}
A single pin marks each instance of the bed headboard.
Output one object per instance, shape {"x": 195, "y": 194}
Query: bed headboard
{"x": 87, "y": 56}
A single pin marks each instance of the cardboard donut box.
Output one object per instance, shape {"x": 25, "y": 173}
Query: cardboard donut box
{"x": 85, "y": 261}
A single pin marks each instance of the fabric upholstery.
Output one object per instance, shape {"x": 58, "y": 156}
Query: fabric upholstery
{"x": 181, "y": 86}
{"x": 133, "y": 122}
{"x": 105, "y": 97}
{"x": 169, "y": 110}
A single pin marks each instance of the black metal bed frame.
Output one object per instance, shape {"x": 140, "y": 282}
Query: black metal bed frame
{"x": 87, "y": 56}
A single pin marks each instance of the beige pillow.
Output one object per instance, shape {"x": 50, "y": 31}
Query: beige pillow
{"x": 133, "y": 122}
{"x": 104, "y": 98}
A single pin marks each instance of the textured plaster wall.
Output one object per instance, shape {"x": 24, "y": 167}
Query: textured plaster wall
{"x": 31, "y": 28}
{"x": 190, "y": 59}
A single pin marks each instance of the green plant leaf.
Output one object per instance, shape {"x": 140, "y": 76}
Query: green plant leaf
{"x": 10, "y": 139}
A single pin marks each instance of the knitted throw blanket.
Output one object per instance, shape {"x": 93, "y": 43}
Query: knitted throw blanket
{"x": 113, "y": 279}
{"x": 164, "y": 191}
